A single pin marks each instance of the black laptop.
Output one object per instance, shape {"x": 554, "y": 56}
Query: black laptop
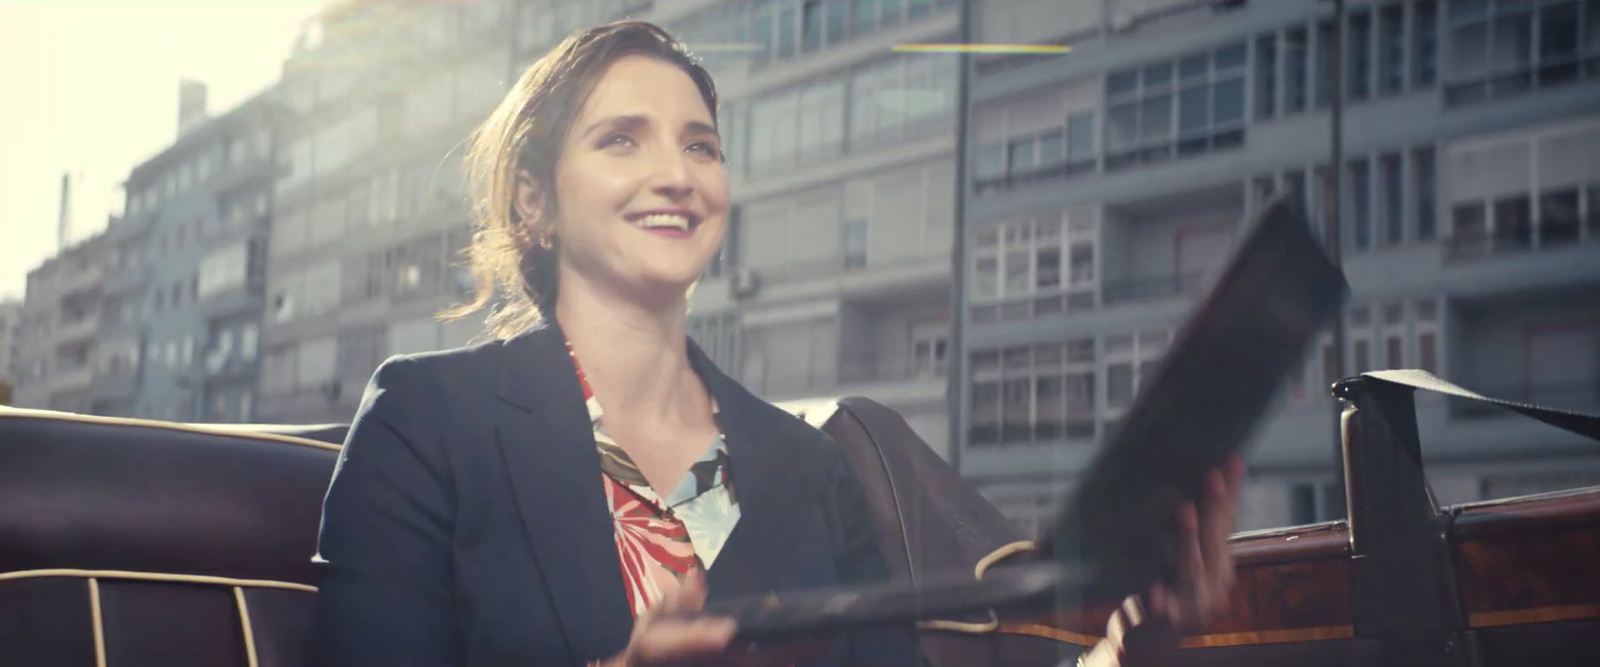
{"x": 1113, "y": 535}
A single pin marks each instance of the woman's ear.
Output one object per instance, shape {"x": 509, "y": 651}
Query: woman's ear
{"x": 528, "y": 200}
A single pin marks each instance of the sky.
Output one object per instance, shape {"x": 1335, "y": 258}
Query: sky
{"x": 91, "y": 87}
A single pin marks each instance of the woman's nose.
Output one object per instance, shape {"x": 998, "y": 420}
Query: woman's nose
{"x": 671, "y": 177}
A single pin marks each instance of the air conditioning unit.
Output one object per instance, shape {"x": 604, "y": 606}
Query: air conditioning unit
{"x": 744, "y": 283}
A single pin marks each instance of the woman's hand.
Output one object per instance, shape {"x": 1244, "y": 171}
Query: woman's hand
{"x": 662, "y": 637}
{"x": 1146, "y": 631}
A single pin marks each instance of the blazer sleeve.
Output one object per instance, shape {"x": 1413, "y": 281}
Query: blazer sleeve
{"x": 860, "y": 562}
{"x": 384, "y": 552}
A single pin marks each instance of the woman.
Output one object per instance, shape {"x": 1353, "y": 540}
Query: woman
{"x": 542, "y": 499}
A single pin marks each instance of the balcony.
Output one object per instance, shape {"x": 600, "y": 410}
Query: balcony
{"x": 72, "y": 379}
{"x": 83, "y": 328}
{"x": 81, "y": 281}
{"x": 1087, "y": 299}
{"x": 115, "y": 386}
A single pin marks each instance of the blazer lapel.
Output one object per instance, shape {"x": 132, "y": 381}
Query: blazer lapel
{"x": 544, "y": 434}
{"x": 771, "y": 478}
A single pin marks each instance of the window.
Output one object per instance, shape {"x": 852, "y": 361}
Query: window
{"x": 930, "y": 348}
{"x": 1426, "y": 314}
{"x": 1425, "y": 36}
{"x": 1392, "y": 208}
{"x": 1506, "y": 47}
{"x": 1359, "y": 41}
{"x": 1038, "y": 393}
{"x": 822, "y": 120}
{"x": 1393, "y": 335}
{"x": 1326, "y": 32}
{"x": 1080, "y": 138}
{"x": 855, "y": 244}
{"x": 1296, "y": 44}
{"x": 1130, "y": 359}
{"x": 1391, "y": 49}
{"x": 990, "y": 162}
{"x": 1512, "y": 224}
{"x": 1266, "y": 76}
{"x": 1023, "y": 273}
{"x": 1469, "y": 229}
{"x": 1558, "y": 217}
{"x": 1422, "y": 173}
{"x": 223, "y": 270}
{"x": 1361, "y": 203}
{"x": 1206, "y": 97}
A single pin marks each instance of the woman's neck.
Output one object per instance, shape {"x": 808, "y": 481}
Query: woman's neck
{"x": 634, "y": 354}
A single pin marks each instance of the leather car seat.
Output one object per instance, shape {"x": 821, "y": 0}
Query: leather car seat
{"x": 129, "y": 543}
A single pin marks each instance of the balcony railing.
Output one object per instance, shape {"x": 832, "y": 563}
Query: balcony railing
{"x": 1083, "y": 297}
{"x": 1029, "y": 177}
{"x": 1461, "y": 249}
{"x": 1583, "y": 396}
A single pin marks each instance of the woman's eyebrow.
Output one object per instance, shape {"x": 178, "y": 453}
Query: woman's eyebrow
{"x": 699, "y": 128}
{"x": 623, "y": 122}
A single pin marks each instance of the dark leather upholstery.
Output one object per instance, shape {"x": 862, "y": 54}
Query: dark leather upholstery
{"x": 192, "y": 545}
{"x": 931, "y": 521}
{"x": 170, "y": 535}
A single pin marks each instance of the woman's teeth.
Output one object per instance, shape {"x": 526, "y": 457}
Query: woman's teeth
{"x": 664, "y": 220}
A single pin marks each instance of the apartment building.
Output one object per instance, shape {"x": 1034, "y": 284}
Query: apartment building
{"x": 1108, "y": 185}
{"x": 59, "y": 318}
{"x": 185, "y": 270}
{"x": 835, "y": 277}
{"x": 10, "y": 338}
{"x": 371, "y": 215}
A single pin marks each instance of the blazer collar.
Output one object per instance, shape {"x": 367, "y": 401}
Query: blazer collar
{"x": 548, "y": 444}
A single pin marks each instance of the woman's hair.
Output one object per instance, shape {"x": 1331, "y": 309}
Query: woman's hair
{"x": 513, "y": 265}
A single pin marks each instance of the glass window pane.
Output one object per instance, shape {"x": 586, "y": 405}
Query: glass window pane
{"x": 837, "y": 20}
{"x": 1229, "y": 102}
{"x": 1558, "y": 212}
{"x": 1157, "y": 76}
{"x": 1048, "y": 270}
{"x": 1020, "y": 155}
{"x": 1469, "y": 49}
{"x": 1426, "y": 28}
{"x": 1155, "y": 121}
{"x": 1080, "y": 137}
{"x": 1016, "y": 272}
{"x": 1122, "y": 128}
{"x": 991, "y": 161}
{"x": 1121, "y": 82}
{"x": 1119, "y": 386}
{"x": 1193, "y": 67}
{"x": 1266, "y": 75}
{"x": 1231, "y": 57}
{"x": 1558, "y": 30}
{"x": 986, "y": 277}
{"x": 1513, "y": 41}
{"x": 1513, "y": 228}
{"x": 1193, "y": 111}
{"x": 1052, "y": 148}
{"x": 1294, "y": 60}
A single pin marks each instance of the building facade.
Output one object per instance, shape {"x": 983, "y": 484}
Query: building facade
{"x": 835, "y": 279}
{"x": 1107, "y": 187}
{"x": 371, "y": 210}
{"x": 185, "y": 275}
{"x": 60, "y": 317}
{"x": 10, "y": 339}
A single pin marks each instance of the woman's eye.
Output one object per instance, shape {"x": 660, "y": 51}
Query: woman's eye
{"x": 707, "y": 148}
{"x": 616, "y": 139}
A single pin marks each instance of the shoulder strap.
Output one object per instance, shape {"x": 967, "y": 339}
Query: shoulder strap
{"x": 1584, "y": 424}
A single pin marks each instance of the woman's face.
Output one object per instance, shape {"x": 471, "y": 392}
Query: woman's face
{"x": 641, "y": 191}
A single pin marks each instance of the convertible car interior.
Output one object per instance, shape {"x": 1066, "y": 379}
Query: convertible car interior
{"x": 130, "y": 542}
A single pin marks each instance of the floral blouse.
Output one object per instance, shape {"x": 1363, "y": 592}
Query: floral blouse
{"x": 661, "y": 540}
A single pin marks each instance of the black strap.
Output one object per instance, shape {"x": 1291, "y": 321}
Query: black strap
{"x": 1584, "y": 424}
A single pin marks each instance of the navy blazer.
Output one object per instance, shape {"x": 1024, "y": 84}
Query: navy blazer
{"x": 466, "y": 523}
